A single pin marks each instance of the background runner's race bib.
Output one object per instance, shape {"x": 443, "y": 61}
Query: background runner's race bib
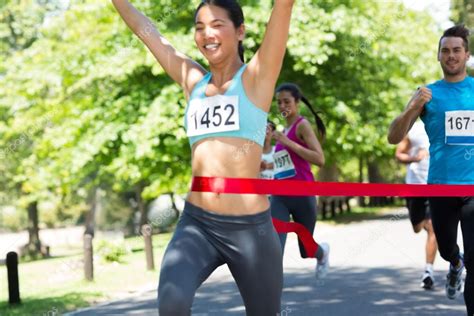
{"x": 266, "y": 174}
{"x": 459, "y": 127}
{"x": 284, "y": 167}
{"x": 215, "y": 114}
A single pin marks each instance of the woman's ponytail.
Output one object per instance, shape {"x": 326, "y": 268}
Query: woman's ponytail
{"x": 319, "y": 122}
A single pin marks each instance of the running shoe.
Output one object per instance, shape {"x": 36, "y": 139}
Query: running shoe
{"x": 322, "y": 265}
{"x": 427, "y": 280}
{"x": 454, "y": 280}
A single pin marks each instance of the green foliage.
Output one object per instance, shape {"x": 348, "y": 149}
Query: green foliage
{"x": 12, "y": 219}
{"x": 462, "y": 12}
{"x": 114, "y": 211}
{"x": 358, "y": 62}
{"x": 84, "y": 105}
{"x": 112, "y": 251}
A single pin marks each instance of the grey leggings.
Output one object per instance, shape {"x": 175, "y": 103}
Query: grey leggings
{"x": 303, "y": 211}
{"x": 203, "y": 241}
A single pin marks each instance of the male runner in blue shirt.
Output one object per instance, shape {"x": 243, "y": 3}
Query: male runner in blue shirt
{"x": 447, "y": 109}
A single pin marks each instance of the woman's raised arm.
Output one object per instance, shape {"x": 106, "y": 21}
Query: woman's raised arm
{"x": 182, "y": 69}
{"x": 265, "y": 66}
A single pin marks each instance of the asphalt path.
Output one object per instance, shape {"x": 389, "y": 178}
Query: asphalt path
{"x": 376, "y": 267}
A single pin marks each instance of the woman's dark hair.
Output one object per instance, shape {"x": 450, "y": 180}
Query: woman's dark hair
{"x": 298, "y": 95}
{"x": 235, "y": 12}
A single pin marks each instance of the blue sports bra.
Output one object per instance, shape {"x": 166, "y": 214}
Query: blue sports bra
{"x": 229, "y": 115}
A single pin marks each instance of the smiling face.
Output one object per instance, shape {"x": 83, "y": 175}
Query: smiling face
{"x": 453, "y": 56}
{"x": 287, "y": 104}
{"x": 216, "y": 35}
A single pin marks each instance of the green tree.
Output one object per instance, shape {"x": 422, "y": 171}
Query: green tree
{"x": 20, "y": 24}
{"x": 462, "y": 12}
{"x": 359, "y": 61}
{"x": 100, "y": 112}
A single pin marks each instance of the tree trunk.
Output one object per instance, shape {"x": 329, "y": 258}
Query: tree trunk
{"x": 90, "y": 218}
{"x": 361, "y": 180}
{"x": 328, "y": 173}
{"x": 375, "y": 177}
{"x": 34, "y": 243}
{"x": 141, "y": 205}
{"x": 175, "y": 209}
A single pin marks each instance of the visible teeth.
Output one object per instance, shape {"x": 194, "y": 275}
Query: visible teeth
{"x": 211, "y": 46}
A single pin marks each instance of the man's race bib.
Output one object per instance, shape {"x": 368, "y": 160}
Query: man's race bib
{"x": 215, "y": 114}
{"x": 459, "y": 127}
{"x": 284, "y": 167}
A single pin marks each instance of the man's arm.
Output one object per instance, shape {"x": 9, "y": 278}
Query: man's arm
{"x": 402, "y": 124}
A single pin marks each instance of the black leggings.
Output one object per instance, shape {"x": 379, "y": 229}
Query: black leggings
{"x": 203, "y": 241}
{"x": 446, "y": 213}
{"x": 301, "y": 208}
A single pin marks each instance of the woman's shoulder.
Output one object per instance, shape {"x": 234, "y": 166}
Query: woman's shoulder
{"x": 303, "y": 123}
{"x": 198, "y": 82}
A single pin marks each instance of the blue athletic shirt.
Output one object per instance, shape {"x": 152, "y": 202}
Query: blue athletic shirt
{"x": 218, "y": 116}
{"x": 449, "y": 123}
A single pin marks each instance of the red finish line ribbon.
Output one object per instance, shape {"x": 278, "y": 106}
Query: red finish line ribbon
{"x": 310, "y": 246}
{"x": 308, "y": 188}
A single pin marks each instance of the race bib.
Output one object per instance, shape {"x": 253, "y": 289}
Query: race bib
{"x": 215, "y": 114}
{"x": 284, "y": 167}
{"x": 459, "y": 127}
{"x": 266, "y": 174}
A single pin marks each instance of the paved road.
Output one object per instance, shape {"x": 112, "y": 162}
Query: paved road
{"x": 375, "y": 270}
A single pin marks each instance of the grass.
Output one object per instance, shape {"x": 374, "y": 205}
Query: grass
{"x": 57, "y": 285}
{"x": 358, "y": 214}
{"x": 52, "y": 305}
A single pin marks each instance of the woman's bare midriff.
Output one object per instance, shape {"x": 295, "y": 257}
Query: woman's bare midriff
{"x": 226, "y": 157}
